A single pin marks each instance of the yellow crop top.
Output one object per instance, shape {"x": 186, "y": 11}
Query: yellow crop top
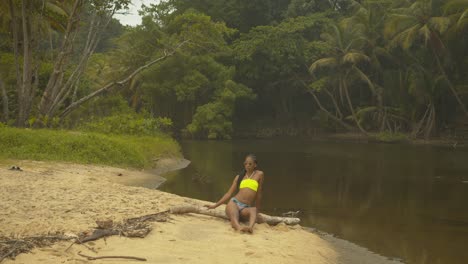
{"x": 249, "y": 183}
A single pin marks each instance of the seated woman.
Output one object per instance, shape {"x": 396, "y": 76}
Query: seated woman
{"x": 249, "y": 191}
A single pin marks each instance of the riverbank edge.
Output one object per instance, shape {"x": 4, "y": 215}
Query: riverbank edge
{"x": 369, "y": 139}
{"x": 361, "y": 138}
{"x": 55, "y": 176}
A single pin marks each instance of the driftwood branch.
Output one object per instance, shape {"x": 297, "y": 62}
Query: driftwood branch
{"x": 132, "y": 227}
{"x": 78, "y": 241}
{"x": 262, "y": 218}
{"x": 98, "y": 233}
{"x": 104, "y": 257}
{"x": 9, "y": 253}
{"x": 11, "y": 247}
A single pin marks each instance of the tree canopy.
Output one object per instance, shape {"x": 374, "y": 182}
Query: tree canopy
{"x": 218, "y": 69}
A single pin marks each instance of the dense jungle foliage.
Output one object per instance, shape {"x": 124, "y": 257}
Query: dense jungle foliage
{"x": 218, "y": 69}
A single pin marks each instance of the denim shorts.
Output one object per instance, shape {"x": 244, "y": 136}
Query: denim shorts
{"x": 241, "y": 205}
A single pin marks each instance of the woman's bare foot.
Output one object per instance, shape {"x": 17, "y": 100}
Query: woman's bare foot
{"x": 247, "y": 229}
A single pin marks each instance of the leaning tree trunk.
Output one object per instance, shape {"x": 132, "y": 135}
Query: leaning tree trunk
{"x": 337, "y": 108}
{"x": 417, "y": 128}
{"x": 120, "y": 83}
{"x": 450, "y": 85}
{"x": 330, "y": 115}
{"x": 335, "y": 104}
{"x": 430, "y": 123}
{"x": 351, "y": 108}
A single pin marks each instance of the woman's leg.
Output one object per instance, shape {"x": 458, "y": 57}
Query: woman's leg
{"x": 251, "y": 214}
{"x": 232, "y": 211}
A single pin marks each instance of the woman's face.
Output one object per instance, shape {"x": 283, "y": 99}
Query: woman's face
{"x": 249, "y": 164}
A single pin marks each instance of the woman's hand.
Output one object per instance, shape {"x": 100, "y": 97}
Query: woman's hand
{"x": 210, "y": 206}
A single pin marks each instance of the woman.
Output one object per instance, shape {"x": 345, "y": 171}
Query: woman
{"x": 250, "y": 191}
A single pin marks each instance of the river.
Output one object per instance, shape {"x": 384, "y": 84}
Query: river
{"x": 401, "y": 201}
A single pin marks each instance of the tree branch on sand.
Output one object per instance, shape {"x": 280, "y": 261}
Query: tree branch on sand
{"x": 103, "y": 257}
{"x": 262, "y": 218}
{"x": 10, "y": 247}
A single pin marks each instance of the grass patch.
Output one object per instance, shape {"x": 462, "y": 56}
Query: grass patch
{"x": 85, "y": 147}
{"x": 389, "y": 137}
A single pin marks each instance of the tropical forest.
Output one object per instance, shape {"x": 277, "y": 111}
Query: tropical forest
{"x": 357, "y": 111}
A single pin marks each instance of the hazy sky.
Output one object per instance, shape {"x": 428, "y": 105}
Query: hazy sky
{"x": 132, "y": 18}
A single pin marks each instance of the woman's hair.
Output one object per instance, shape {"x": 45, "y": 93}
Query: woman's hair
{"x": 253, "y": 157}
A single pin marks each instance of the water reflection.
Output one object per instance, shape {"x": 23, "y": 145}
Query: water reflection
{"x": 401, "y": 201}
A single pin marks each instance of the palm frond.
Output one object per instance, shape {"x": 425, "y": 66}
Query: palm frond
{"x": 440, "y": 24}
{"x": 366, "y": 79}
{"x": 322, "y": 63}
{"x": 382, "y": 52}
{"x": 355, "y": 57}
{"x": 455, "y": 6}
{"x": 53, "y": 8}
{"x": 463, "y": 19}
{"x": 396, "y": 23}
{"x": 361, "y": 112}
{"x": 406, "y": 38}
{"x": 426, "y": 33}
{"x": 338, "y": 36}
{"x": 319, "y": 84}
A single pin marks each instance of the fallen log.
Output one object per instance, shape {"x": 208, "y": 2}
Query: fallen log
{"x": 262, "y": 218}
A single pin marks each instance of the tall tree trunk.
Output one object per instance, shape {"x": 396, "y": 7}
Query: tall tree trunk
{"x": 351, "y": 108}
{"x": 417, "y": 128}
{"x": 337, "y": 108}
{"x": 98, "y": 23}
{"x": 336, "y": 119}
{"x": 4, "y": 101}
{"x": 26, "y": 87}
{"x": 56, "y": 77}
{"x": 14, "y": 30}
{"x": 430, "y": 123}
{"x": 61, "y": 91}
{"x": 452, "y": 89}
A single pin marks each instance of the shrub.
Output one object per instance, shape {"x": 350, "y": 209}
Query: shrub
{"x": 128, "y": 124}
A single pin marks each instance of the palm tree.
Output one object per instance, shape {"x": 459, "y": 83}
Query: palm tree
{"x": 346, "y": 54}
{"x": 422, "y": 21}
{"x": 27, "y": 21}
{"x": 369, "y": 17}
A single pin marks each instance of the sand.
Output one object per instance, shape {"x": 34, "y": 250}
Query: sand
{"x": 58, "y": 197}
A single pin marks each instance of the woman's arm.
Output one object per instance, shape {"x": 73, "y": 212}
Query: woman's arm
{"x": 226, "y": 196}
{"x": 258, "y": 200}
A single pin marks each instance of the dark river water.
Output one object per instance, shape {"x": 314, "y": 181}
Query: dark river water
{"x": 401, "y": 201}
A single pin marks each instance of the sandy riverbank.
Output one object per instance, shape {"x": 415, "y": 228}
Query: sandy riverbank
{"x": 50, "y": 197}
